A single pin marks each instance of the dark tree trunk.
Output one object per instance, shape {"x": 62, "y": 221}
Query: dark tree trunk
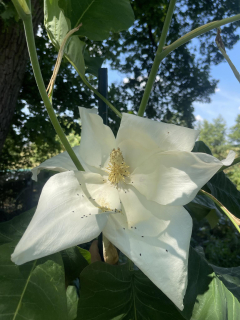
{"x": 13, "y": 60}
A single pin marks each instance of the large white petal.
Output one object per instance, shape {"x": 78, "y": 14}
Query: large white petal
{"x": 97, "y": 140}
{"x": 175, "y": 177}
{"x": 156, "y": 238}
{"x": 152, "y": 135}
{"x": 60, "y": 163}
{"x": 67, "y": 214}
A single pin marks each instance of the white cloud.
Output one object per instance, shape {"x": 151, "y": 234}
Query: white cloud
{"x": 239, "y": 108}
{"x": 198, "y": 118}
{"x": 125, "y": 80}
{"x": 217, "y": 89}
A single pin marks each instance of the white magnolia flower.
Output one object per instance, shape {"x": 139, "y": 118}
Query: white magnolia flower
{"x": 133, "y": 190}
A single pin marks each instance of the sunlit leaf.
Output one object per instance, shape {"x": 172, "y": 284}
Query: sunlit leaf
{"x": 34, "y": 290}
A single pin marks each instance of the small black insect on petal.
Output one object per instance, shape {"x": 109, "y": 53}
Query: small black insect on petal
{"x": 140, "y": 254}
{"x": 166, "y": 250}
{"x": 142, "y": 236}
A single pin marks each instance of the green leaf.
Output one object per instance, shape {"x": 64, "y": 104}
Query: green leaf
{"x": 34, "y": 290}
{"x": 86, "y": 254}
{"x": 212, "y": 218}
{"x": 225, "y": 191}
{"x": 207, "y": 296}
{"x": 118, "y": 293}
{"x": 200, "y": 146}
{"x": 98, "y": 17}
{"x": 72, "y": 302}
{"x": 13, "y": 230}
{"x": 231, "y": 279}
{"x": 57, "y": 26}
{"x": 201, "y": 206}
{"x": 73, "y": 262}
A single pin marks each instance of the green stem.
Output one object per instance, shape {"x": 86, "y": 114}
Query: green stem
{"x": 22, "y": 8}
{"x": 162, "y": 54}
{"x": 194, "y": 33}
{"x": 95, "y": 91}
{"x": 157, "y": 61}
{"x": 41, "y": 87}
{"x": 102, "y": 97}
{"x": 234, "y": 220}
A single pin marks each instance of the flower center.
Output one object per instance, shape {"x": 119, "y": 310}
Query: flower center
{"x": 117, "y": 167}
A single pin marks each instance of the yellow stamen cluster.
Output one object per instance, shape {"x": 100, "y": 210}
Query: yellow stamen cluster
{"x": 117, "y": 167}
{"x": 106, "y": 209}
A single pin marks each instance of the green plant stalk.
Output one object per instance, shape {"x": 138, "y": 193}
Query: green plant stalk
{"x": 234, "y": 70}
{"x": 194, "y": 33}
{"x": 157, "y": 61}
{"x": 118, "y": 113}
{"x": 237, "y": 160}
{"x": 95, "y": 90}
{"x": 27, "y": 21}
{"x": 224, "y": 209}
{"x": 166, "y": 50}
{"x": 22, "y": 8}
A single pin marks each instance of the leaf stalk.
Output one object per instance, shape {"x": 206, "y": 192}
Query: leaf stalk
{"x": 27, "y": 21}
{"x": 234, "y": 220}
{"x": 157, "y": 61}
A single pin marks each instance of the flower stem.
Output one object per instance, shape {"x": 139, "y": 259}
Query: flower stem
{"x": 234, "y": 219}
{"x": 157, "y": 61}
{"x": 27, "y": 21}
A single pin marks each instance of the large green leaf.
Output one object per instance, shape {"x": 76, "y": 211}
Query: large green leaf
{"x": 200, "y": 146}
{"x": 98, "y": 17}
{"x": 207, "y": 297}
{"x": 57, "y": 26}
{"x": 34, "y": 290}
{"x": 13, "y": 229}
{"x": 118, "y": 293}
{"x": 231, "y": 279}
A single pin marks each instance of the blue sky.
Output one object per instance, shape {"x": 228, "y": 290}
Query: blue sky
{"x": 225, "y": 101}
